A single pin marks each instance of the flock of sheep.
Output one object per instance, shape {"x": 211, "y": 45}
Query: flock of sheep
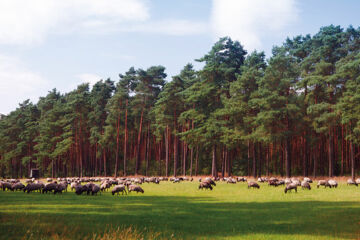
{"x": 126, "y": 185}
{"x": 289, "y": 183}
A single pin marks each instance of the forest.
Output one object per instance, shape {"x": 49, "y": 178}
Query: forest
{"x": 294, "y": 113}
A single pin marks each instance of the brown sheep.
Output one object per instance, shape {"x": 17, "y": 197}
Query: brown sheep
{"x": 252, "y": 184}
{"x": 135, "y": 188}
{"x": 205, "y": 185}
{"x": 290, "y": 187}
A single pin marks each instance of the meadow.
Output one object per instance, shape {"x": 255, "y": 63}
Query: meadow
{"x": 181, "y": 211}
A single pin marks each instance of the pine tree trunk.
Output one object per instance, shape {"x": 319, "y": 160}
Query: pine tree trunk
{"x": 167, "y": 143}
{"x": 248, "y": 163}
{"x": 197, "y": 161}
{"x": 117, "y": 145}
{"x": 288, "y": 157}
{"x": 175, "y": 154}
{"x": 137, "y": 162}
{"x": 213, "y": 165}
{"x": 147, "y": 151}
{"x": 260, "y": 159}
{"x": 352, "y": 160}
{"x": 331, "y": 156}
{"x": 254, "y": 160}
{"x": 104, "y": 158}
{"x": 125, "y": 137}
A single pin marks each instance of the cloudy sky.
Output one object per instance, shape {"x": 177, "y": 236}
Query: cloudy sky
{"x": 46, "y": 44}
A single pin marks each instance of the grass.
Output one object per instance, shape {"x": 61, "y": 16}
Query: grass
{"x": 181, "y": 211}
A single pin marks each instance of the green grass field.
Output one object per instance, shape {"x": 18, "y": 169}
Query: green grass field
{"x": 181, "y": 211}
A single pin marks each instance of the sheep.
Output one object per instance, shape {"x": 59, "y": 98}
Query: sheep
{"x": 272, "y": 183}
{"x": 73, "y": 185}
{"x": 351, "y": 182}
{"x": 323, "y": 183}
{"x": 88, "y": 187}
{"x": 135, "y": 188}
{"x": 287, "y": 181}
{"x": 33, "y": 187}
{"x": 290, "y": 187}
{"x": 280, "y": 182}
{"x": 252, "y": 184}
{"x": 209, "y": 180}
{"x": 230, "y": 180}
{"x": 60, "y": 188}
{"x": 273, "y": 179}
{"x": 95, "y": 189}
{"x": 333, "y": 183}
{"x": 119, "y": 188}
{"x": 241, "y": 179}
{"x": 357, "y": 180}
{"x": 17, "y": 186}
{"x": 49, "y": 187}
{"x": 308, "y": 180}
{"x": 205, "y": 185}
{"x": 6, "y": 185}
{"x": 305, "y": 184}
{"x": 176, "y": 180}
{"x": 79, "y": 189}
{"x": 261, "y": 179}
{"x": 49, "y": 180}
{"x": 296, "y": 181}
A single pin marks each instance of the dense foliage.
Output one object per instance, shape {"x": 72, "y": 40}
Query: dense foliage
{"x": 296, "y": 113}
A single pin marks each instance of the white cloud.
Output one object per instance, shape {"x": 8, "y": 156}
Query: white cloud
{"x": 249, "y": 21}
{"x": 175, "y": 27}
{"x": 17, "y": 84}
{"x": 27, "y": 22}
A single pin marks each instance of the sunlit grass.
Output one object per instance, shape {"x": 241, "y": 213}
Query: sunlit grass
{"x": 181, "y": 211}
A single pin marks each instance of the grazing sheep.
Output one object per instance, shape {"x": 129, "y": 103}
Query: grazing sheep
{"x": 323, "y": 183}
{"x": 308, "y": 180}
{"x": 280, "y": 182}
{"x": 230, "y": 180}
{"x": 205, "y": 185}
{"x": 60, "y": 188}
{"x": 261, "y": 179}
{"x": 73, "y": 185}
{"x": 119, "y": 188}
{"x": 252, "y": 184}
{"x": 305, "y": 184}
{"x": 333, "y": 183}
{"x": 351, "y": 182}
{"x": 6, "y": 185}
{"x": 79, "y": 189}
{"x": 241, "y": 179}
{"x": 357, "y": 180}
{"x": 135, "y": 188}
{"x": 287, "y": 181}
{"x": 95, "y": 189}
{"x": 49, "y": 187}
{"x": 272, "y": 183}
{"x": 17, "y": 186}
{"x": 290, "y": 187}
{"x": 88, "y": 187}
{"x": 209, "y": 180}
{"x": 273, "y": 179}
{"x": 296, "y": 181}
{"x": 33, "y": 187}
{"x": 176, "y": 180}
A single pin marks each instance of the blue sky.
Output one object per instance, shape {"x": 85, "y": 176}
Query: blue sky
{"x": 47, "y": 44}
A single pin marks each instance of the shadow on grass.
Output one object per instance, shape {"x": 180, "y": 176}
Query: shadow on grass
{"x": 185, "y": 217}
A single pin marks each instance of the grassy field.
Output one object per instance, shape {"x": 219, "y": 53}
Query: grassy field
{"x": 181, "y": 211}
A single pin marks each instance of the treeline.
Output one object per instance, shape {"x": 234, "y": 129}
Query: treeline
{"x": 297, "y": 113}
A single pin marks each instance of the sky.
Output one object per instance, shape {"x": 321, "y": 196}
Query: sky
{"x": 46, "y": 44}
